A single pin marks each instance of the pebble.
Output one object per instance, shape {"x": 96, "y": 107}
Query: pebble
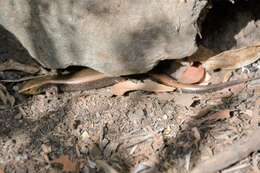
{"x": 18, "y": 116}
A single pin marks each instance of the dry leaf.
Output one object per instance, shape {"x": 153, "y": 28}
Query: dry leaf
{"x": 68, "y": 165}
{"x": 184, "y": 99}
{"x": 233, "y": 59}
{"x": 148, "y": 85}
{"x": 255, "y": 114}
{"x": 106, "y": 167}
{"x": 175, "y": 69}
{"x": 192, "y": 75}
{"x": 219, "y": 115}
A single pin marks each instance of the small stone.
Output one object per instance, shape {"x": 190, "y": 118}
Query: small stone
{"x": 136, "y": 116}
{"x": 139, "y": 113}
{"x": 46, "y": 148}
{"x": 84, "y": 136}
{"x": 18, "y": 116}
{"x": 86, "y": 169}
{"x": 165, "y": 117}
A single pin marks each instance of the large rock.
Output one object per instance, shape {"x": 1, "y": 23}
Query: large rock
{"x": 116, "y": 37}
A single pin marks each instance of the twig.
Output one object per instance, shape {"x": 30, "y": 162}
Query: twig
{"x": 236, "y": 168}
{"x": 256, "y": 112}
{"x": 231, "y": 154}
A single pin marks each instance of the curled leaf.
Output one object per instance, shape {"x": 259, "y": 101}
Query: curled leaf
{"x": 233, "y": 59}
{"x": 148, "y": 85}
{"x": 68, "y": 165}
{"x": 192, "y": 75}
{"x": 221, "y": 115}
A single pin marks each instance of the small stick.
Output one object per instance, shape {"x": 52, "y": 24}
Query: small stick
{"x": 231, "y": 154}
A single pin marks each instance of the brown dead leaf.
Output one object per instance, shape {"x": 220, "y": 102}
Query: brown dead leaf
{"x": 148, "y": 85}
{"x": 227, "y": 92}
{"x": 233, "y": 59}
{"x": 232, "y": 90}
{"x": 184, "y": 99}
{"x": 68, "y": 165}
{"x": 192, "y": 75}
{"x": 221, "y": 115}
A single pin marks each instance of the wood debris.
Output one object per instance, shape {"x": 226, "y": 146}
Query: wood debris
{"x": 231, "y": 154}
{"x": 233, "y": 59}
{"x": 192, "y": 75}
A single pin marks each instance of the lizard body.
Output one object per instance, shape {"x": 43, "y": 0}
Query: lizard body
{"x": 90, "y": 79}
{"x": 199, "y": 89}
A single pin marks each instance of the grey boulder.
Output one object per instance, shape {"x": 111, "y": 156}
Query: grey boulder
{"x": 116, "y": 37}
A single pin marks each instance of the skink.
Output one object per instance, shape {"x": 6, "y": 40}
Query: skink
{"x": 90, "y": 79}
{"x": 82, "y": 80}
{"x": 199, "y": 89}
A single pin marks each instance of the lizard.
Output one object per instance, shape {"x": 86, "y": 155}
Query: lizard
{"x": 82, "y": 80}
{"x": 198, "y": 89}
{"x": 90, "y": 79}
